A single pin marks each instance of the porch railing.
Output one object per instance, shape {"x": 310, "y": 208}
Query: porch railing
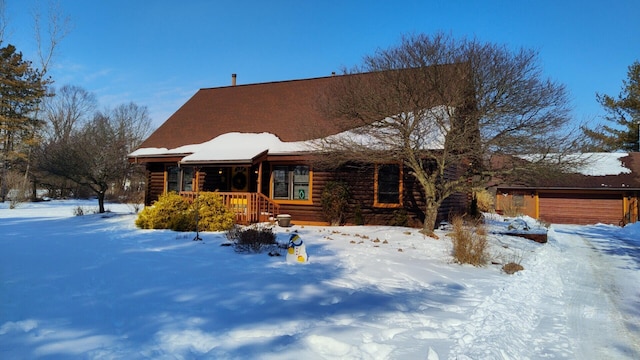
{"x": 249, "y": 208}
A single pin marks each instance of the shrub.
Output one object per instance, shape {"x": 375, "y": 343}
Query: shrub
{"x": 358, "y": 218}
{"x": 469, "y": 243}
{"x": 334, "y": 200}
{"x": 213, "y": 215}
{"x": 400, "y": 218}
{"x": 485, "y": 201}
{"x": 512, "y": 268}
{"x": 13, "y": 181}
{"x": 81, "y": 210}
{"x": 513, "y": 265}
{"x": 134, "y": 199}
{"x": 174, "y": 212}
{"x": 255, "y": 239}
{"x": 171, "y": 211}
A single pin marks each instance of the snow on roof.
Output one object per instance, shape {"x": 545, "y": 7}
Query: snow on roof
{"x": 230, "y": 147}
{"x": 602, "y": 164}
{"x": 592, "y": 164}
{"x": 244, "y": 147}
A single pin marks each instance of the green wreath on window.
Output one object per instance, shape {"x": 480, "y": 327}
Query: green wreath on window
{"x": 239, "y": 181}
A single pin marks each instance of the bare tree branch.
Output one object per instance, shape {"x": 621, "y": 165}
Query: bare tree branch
{"x": 442, "y": 106}
{"x": 58, "y": 27}
{"x": 3, "y": 20}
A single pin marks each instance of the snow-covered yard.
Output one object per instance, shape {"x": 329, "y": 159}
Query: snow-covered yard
{"x": 96, "y": 287}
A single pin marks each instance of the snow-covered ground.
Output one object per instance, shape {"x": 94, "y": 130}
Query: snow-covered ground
{"x": 95, "y": 287}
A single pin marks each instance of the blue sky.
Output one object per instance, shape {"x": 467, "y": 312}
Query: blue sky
{"x": 159, "y": 53}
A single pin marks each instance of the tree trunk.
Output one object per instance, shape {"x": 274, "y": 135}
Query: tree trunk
{"x": 3, "y": 182}
{"x": 430, "y": 217}
{"x": 101, "y": 196}
{"x": 34, "y": 190}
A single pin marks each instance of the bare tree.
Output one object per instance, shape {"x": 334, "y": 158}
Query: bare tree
{"x": 66, "y": 111}
{"x": 443, "y": 108}
{"x": 95, "y": 155}
{"x": 3, "y": 20}
{"x": 58, "y": 27}
{"x": 133, "y": 125}
{"x": 64, "y": 114}
{"x": 86, "y": 159}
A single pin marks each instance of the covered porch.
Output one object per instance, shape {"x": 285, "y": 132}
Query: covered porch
{"x": 248, "y": 207}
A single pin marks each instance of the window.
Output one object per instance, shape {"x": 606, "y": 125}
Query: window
{"x": 387, "y": 185}
{"x": 173, "y": 174}
{"x": 179, "y": 179}
{"x": 187, "y": 179}
{"x": 290, "y": 183}
{"x": 518, "y": 200}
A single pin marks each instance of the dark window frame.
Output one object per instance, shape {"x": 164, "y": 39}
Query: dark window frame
{"x": 388, "y": 184}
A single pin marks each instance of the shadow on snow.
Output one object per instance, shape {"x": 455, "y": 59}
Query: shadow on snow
{"x": 74, "y": 285}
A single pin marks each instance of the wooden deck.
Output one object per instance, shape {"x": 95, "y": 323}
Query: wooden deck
{"x": 249, "y": 207}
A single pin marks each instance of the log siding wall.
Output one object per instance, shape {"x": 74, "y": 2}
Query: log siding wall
{"x": 361, "y": 209}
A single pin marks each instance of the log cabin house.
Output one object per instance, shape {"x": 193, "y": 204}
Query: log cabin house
{"x": 606, "y": 190}
{"x": 248, "y": 142}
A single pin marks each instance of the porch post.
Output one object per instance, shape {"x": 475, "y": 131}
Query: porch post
{"x": 197, "y": 237}
{"x": 259, "y": 182}
{"x": 165, "y": 176}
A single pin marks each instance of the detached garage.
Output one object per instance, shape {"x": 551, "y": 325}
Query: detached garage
{"x": 607, "y": 191}
{"x": 581, "y": 208}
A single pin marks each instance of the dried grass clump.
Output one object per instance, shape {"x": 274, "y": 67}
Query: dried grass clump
{"x": 510, "y": 209}
{"x": 485, "y": 200}
{"x": 469, "y": 244}
{"x": 512, "y": 268}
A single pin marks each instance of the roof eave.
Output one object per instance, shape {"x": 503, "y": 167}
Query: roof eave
{"x": 604, "y": 188}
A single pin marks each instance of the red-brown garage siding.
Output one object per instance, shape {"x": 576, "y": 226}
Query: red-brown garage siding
{"x": 568, "y": 208}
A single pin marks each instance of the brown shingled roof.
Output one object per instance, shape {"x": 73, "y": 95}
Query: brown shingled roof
{"x": 579, "y": 181}
{"x": 624, "y": 180}
{"x": 291, "y": 110}
{"x": 288, "y": 109}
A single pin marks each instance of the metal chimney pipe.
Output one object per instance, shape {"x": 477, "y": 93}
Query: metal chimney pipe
{"x": 233, "y": 79}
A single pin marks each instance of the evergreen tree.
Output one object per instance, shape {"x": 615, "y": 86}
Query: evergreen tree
{"x": 22, "y": 88}
{"x": 624, "y": 113}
